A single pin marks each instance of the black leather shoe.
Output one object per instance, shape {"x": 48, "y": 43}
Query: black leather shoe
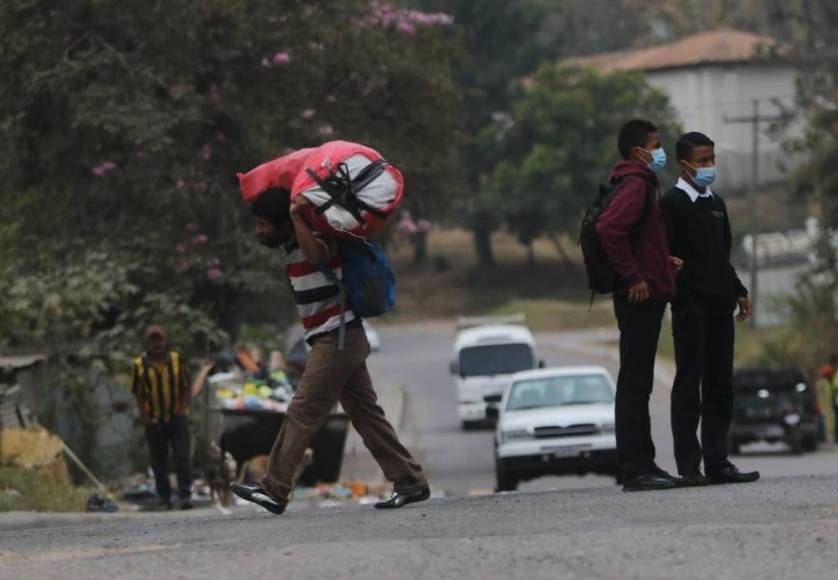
{"x": 662, "y": 473}
{"x": 402, "y": 499}
{"x": 647, "y": 482}
{"x": 691, "y": 480}
{"x": 253, "y": 492}
{"x": 730, "y": 474}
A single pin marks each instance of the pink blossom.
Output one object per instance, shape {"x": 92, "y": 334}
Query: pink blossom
{"x": 213, "y": 273}
{"x": 200, "y": 240}
{"x": 206, "y": 151}
{"x": 266, "y": 63}
{"x": 325, "y": 131}
{"x": 280, "y": 58}
{"x": 182, "y": 266}
{"x": 213, "y": 262}
{"x": 181, "y": 248}
{"x": 406, "y": 28}
{"x": 103, "y": 168}
{"x": 308, "y": 113}
{"x": 180, "y": 184}
{"x": 406, "y": 224}
{"x": 423, "y": 226}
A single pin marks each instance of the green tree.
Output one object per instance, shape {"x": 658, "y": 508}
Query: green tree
{"x": 562, "y": 143}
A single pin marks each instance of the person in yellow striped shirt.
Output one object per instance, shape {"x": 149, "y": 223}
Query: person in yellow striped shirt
{"x": 162, "y": 389}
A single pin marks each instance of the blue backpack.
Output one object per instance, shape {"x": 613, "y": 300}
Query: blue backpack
{"x": 368, "y": 285}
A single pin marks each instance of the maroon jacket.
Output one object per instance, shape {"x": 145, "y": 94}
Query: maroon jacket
{"x": 644, "y": 256}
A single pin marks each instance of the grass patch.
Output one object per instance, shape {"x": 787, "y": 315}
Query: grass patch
{"x": 552, "y": 292}
{"x": 553, "y": 315}
{"x": 39, "y": 492}
{"x": 750, "y": 347}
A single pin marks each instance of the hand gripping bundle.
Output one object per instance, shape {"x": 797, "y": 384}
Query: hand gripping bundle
{"x": 352, "y": 189}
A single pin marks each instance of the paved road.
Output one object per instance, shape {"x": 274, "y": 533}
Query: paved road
{"x": 777, "y": 528}
{"x": 458, "y": 462}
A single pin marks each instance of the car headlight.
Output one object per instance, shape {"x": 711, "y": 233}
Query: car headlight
{"x": 608, "y": 428}
{"x": 515, "y": 435}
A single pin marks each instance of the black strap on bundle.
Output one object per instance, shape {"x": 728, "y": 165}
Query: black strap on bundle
{"x": 343, "y": 189}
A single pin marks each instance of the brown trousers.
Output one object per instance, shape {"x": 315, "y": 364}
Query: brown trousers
{"x": 333, "y": 375}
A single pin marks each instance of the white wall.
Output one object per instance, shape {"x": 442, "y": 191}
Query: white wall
{"x": 703, "y": 96}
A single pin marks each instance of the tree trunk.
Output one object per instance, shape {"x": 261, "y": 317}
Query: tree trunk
{"x": 483, "y": 246}
{"x": 531, "y": 255}
{"x": 420, "y": 247}
{"x": 559, "y": 248}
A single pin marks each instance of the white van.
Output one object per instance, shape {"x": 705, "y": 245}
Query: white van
{"x": 487, "y": 352}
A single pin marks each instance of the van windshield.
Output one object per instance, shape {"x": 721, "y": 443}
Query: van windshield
{"x": 495, "y": 359}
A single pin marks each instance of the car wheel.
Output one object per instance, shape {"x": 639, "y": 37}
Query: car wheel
{"x": 505, "y": 479}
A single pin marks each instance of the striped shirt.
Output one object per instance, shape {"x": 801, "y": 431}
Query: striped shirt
{"x": 318, "y": 299}
{"x": 160, "y": 385}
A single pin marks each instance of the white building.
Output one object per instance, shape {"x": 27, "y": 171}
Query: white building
{"x": 713, "y": 77}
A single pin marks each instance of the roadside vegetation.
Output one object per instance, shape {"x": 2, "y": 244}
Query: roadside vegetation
{"x": 24, "y": 489}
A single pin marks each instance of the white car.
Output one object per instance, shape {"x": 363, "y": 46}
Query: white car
{"x": 556, "y": 421}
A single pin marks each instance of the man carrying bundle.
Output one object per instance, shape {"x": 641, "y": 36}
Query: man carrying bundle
{"x": 336, "y": 369}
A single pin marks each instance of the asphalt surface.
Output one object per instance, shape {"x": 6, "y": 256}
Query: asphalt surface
{"x": 570, "y": 527}
{"x": 459, "y": 463}
{"x": 775, "y": 528}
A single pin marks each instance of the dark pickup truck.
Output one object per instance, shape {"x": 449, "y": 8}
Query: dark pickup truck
{"x": 774, "y": 405}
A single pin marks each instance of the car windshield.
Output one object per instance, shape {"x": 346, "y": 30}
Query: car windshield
{"x": 495, "y": 359}
{"x": 559, "y": 391}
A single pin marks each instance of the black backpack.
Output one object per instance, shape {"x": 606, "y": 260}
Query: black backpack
{"x": 602, "y": 279}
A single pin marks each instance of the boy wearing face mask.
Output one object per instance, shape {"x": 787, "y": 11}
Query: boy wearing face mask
{"x": 708, "y": 292}
{"x": 633, "y": 236}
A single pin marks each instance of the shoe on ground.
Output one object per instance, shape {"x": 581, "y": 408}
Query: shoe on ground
{"x": 662, "y": 473}
{"x": 186, "y": 504}
{"x": 166, "y": 505}
{"x": 691, "y": 480}
{"x": 402, "y": 499}
{"x": 255, "y": 493}
{"x": 647, "y": 482}
{"x": 730, "y": 474}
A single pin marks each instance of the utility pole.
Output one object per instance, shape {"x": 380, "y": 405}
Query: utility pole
{"x": 754, "y": 120}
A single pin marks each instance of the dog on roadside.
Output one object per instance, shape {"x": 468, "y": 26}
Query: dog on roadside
{"x": 221, "y": 471}
{"x": 255, "y": 468}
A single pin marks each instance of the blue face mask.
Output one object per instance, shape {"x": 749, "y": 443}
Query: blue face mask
{"x": 658, "y": 161}
{"x": 704, "y": 176}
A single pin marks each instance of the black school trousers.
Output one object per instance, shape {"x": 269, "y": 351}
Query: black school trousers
{"x": 703, "y": 387}
{"x": 640, "y": 326}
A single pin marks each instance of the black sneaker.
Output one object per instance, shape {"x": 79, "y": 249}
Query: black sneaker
{"x": 646, "y": 482}
{"x": 402, "y": 499}
{"x": 253, "y": 492}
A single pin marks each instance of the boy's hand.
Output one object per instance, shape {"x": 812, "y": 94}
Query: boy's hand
{"x": 677, "y": 263}
{"x": 745, "y": 309}
{"x": 639, "y": 293}
{"x": 298, "y": 206}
